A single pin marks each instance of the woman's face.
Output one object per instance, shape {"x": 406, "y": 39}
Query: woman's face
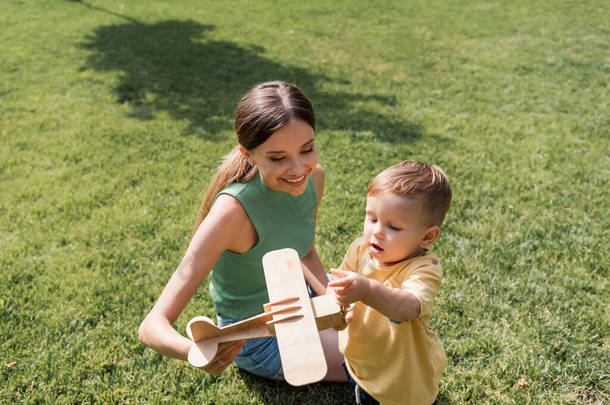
{"x": 287, "y": 158}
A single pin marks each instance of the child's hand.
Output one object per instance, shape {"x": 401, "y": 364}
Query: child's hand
{"x": 349, "y": 287}
{"x": 346, "y": 309}
{"x": 348, "y": 314}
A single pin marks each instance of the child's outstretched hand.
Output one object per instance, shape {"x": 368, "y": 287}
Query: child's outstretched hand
{"x": 345, "y": 309}
{"x": 349, "y": 287}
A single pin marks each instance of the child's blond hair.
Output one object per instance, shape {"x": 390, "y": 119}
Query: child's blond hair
{"x": 417, "y": 181}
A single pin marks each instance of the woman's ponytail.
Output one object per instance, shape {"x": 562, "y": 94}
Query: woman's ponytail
{"x": 235, "y": 168}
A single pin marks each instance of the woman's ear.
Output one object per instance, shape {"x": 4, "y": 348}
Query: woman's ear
{"x": 430, "y": 236}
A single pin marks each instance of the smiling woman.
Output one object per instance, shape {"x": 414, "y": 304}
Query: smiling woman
{"x": 264, "y": 197}
{"x": 287, "y": 159}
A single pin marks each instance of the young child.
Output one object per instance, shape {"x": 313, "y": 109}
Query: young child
{"x": 391, "y": 355}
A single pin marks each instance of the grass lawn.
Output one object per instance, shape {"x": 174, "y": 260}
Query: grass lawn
{"x": 114, "y": 115}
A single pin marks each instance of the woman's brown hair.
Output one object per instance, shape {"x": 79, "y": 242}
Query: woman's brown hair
{"x": 263, "y": 110}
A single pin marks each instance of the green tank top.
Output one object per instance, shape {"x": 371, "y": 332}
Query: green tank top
{"x": 237, "y": 286}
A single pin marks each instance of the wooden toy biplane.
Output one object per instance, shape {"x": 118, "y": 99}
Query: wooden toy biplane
{"x": 291, "y": 316}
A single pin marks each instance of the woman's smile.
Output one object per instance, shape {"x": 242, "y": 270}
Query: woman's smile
{"x": 295, "y": 181}
{"x": 287, "y": 158}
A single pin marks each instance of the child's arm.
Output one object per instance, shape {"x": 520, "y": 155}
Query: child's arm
{"x": 397, "y": 304}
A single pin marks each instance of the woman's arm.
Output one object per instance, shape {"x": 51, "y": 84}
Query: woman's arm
{"x": 225, "y": 227}
{"x": 314, "y": 272}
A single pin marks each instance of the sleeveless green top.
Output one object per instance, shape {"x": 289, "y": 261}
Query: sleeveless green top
{"x": 237, "y": 283}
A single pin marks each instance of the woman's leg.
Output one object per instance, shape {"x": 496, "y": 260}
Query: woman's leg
{"x": 334, "y": 358}
{"x": 330, "y": 345}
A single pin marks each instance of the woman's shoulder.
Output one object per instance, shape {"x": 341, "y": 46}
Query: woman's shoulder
{"x": 241, "y": 194}
{"x": 318, "y": 173}
{"x": 230, "y": 217}
{"x": 228, "y": 208}
{"x": 234, "y": 189}
{"x": 318, "y": 180}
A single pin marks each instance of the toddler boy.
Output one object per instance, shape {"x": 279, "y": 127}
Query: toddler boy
{"x": 391, "y": 355}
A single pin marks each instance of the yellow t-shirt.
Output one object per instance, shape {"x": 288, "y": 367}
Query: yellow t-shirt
{"x": 397, "y": 363}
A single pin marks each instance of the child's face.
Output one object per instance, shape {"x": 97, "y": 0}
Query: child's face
{"x": 394, "y": 228}
{"x": 287, "y": 158}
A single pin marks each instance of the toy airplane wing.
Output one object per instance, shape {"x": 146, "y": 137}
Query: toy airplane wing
{"x": 298, "y": 340}
{"x": 291, "y": 316}
{"x": 207, "y": 336}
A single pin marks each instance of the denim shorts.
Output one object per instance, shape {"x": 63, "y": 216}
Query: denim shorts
{"x": 258, "y": 356}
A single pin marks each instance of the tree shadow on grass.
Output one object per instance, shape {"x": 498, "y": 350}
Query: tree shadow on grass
{"x": 176, "y": 67}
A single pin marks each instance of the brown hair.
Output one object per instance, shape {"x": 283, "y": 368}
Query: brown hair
{"x": 418, "y": 181}
{"x": 263, "y": 110}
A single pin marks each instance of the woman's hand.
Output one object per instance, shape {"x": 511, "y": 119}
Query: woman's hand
{"x": 227, "y": 352}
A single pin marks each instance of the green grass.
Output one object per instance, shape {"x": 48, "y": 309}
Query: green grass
{"x": 113, "y": 116}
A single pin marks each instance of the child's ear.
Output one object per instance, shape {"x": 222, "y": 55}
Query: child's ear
{"x": 430, "y": 236}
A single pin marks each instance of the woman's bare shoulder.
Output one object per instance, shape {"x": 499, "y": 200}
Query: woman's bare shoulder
{"x": 318, "y": 180}
{"x": 230, "y": 218}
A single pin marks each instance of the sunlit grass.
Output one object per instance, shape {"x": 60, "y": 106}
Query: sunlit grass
{"x": 114, "y": 115}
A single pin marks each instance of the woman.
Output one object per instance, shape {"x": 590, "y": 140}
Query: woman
{"x": 264, "y": 197}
